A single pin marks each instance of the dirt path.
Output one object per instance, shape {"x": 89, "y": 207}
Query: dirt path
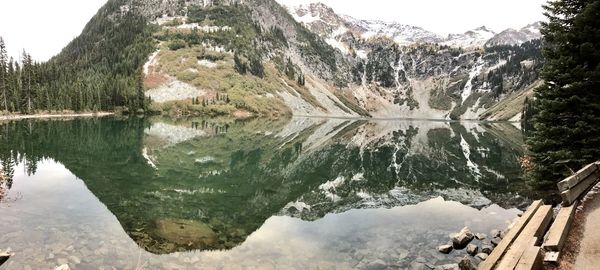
{"x": 589, "y": 250}
{"x": 582, "y": 249}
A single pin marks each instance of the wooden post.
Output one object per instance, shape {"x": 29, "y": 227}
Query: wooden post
{"x": 536, "y": 226}
{"x": 560, "y": 229}
{"x": 575, "y": 179}
{"x": 531, "y": 260}
{"x": 571, "y": 195}
{"x": 509, "y": 238}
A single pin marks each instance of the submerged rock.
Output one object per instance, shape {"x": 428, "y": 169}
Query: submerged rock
{"x": 465, "y": 264}
{"x": 487, "y": 249}
{"x": 63, "y": 267}
{"x": 495, "y": 233}
{"x": 480, "y": 236}
{"x": 472, "y": 249}
{"x": 496, "y": 241}
{"x": 186, "y": 232}
{"x": 482, "y": 256}
{"x": 452, "y": 266}
{"x": 462, "y": 238}
{"x": 445, "y": 249}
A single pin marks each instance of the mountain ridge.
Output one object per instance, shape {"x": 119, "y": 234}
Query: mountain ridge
{"x": 405, "y": 34}
{"x": 252, "y": 57}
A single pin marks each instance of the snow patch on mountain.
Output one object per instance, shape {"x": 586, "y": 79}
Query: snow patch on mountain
{"x": 471, "y": 39}
{"x": 516, "y": 37}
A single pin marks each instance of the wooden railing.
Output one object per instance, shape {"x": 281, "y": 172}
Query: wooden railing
{"x": 535, "y": 238}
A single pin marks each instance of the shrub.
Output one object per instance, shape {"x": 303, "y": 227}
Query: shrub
{"x": 177, "y": 44}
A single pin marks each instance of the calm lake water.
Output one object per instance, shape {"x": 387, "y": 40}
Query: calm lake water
{"x": 304, "y": 193}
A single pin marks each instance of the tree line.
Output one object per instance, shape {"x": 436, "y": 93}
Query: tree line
{"x": 99, "y": 70}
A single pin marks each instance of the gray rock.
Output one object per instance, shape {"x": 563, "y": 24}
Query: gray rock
{"x": 495, "y": 233}
{"x": 452, "y": 266}
{"x": 487, "y": 249}
{"x": 496, "y": 241}
{"x": 445, "y": 249}
{"x": 480, "y": 236}
{"x": 62, "y": 261}
{"x": 63, "y": 267}
{"x": 50, "y": 256}
{"x": 462, "y": 238}
{"x": 465, "y": 264}
{"x": 376, "y": 265}
{"x": 472, "y": 249}
{"x": 482, "y": 256}
{"x": 75, "y": 259}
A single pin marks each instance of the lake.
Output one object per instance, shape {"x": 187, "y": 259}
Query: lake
{"x": 300, "y": 193}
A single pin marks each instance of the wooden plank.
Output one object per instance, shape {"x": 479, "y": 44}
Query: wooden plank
{"x": 575, "y": 179}
{"x": 510, "y": 237}
{"x": 551, "y": 257}
{"x": 537, "y": 225}
{"x": 531, "y": 259}
{"x": 560, "y": 229}
{"x": 571, "y": 195}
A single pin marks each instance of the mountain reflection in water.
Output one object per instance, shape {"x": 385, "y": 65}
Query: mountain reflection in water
{"x": 342, "y": 191}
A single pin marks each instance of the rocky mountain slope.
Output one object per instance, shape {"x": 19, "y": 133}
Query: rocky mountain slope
{"x": 406, "y": 71}
{"x": 251, "y": 57}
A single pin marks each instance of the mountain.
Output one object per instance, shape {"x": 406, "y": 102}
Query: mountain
{"x": 253, "y": 58}
{"x": 470, "y": 39}
{"x": 513, "y": 37}
{"x": 324, "y": 21}
{"x": 407, "y": 71}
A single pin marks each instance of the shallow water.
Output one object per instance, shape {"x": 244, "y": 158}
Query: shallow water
{"x": 257, "y": 194}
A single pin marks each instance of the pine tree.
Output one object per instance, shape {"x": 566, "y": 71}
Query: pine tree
{"x": 3, "y": 75}
{"x": 567, "y": 124}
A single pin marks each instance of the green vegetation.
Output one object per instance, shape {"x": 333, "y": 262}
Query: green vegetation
{"x": 99, "y": 70}
{"x": 524, "y": 62}
{"x": 567, "y": 123}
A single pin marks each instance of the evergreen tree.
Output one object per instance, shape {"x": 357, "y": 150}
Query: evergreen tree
{"x": 3, "y": 75}
{"x": 567, "y": 122}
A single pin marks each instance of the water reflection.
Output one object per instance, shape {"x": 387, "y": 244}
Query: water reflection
{"x": 339, "y": 192}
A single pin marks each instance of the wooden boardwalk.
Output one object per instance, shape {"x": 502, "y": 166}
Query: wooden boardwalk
{"x": 538, "y": 237}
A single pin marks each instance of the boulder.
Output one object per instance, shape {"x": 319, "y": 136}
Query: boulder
{"x": 452, "y": 266}
{"x": 63, "y": 267}
{"x": 472, "y": 249}
{"x": 496, "y": 241}
{"x": 465, "y": 264}
{"x": 487, "y": 249}
{"x": 186, "y": 232}
{"x": 482, "y": 256}
{"x": 462, "y": 238}
{"x": 480, "y": 236}
{"x": 445, "y": 249}
{"x": 495, "y": 233}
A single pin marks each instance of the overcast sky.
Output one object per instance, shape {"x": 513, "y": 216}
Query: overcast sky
{"x": 50, "y": 24}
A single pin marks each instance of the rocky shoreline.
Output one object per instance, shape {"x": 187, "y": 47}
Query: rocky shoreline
{"x": 478, "y": 247}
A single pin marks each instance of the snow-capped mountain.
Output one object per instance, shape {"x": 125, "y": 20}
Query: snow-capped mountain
{"x": 324, "y": 21}
{"x": 514, "y": 37}
{"x": 470, "y": 39}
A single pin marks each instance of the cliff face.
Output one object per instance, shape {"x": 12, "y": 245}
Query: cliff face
{"x": 406, "y": 71}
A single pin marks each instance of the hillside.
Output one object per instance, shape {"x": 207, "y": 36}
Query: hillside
{"x": 253, "y": 58}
